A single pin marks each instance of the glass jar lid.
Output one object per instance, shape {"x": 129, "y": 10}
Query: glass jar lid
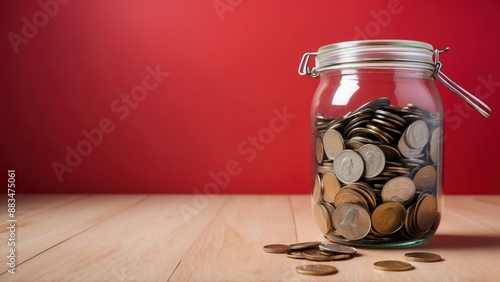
{"x": 376, "y": 53}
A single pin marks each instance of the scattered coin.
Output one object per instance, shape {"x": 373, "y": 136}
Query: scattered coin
{"x": 392, "y": 265}
{"x": 295, "y": 254}
{"x": 316, "y": 269}
{"x": 276, "y": 248}
{"x": 422, "y": 257}
{"x": 317, "y": 255}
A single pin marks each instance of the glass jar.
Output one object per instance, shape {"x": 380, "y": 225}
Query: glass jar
{"x": 376, "y": 131}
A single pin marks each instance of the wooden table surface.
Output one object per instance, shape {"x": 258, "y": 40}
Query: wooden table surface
{"x": 220, "y": 238}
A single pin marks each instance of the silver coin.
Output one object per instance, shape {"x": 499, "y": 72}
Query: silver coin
{"x": 337, "y": 248}
{"x": 352, "y": 221}
{"x": 333, "y": 143}
{"x": 406, "y": 150}
{"x": 373, "y": 158}
{"x": 348, "y": 166}
{"x": 417, "y": 134}
{"x": 400, "y": 189}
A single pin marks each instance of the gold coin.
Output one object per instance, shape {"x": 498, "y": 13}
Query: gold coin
{"x": 425, "y": 178}
{"x": 276, "y": 248}
{"x": 295, "y": 254}
{"x": 319, "y": 150}
{"x": 426, "y": 212}
{"x": 388, "y": 217}
{"x": 392, "y": 265}
{"x": 316, "y": 269}
{"x": 304, "y": 245}
{"x": 422, "y": 257}
{"x": 331, "y": 186}
{"x": 347, "y": 195}
{"x": 318, "y": 189}
{"x": 322, "y": 218}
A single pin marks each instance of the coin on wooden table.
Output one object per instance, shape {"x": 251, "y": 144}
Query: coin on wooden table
{"x": 331, "y": 186}
{"x": 392, "y": 265}
{"x": 417, "y": 134}
{"x": 295, "y": 254}
{"x": 304, "y": 245}
{"x": 388, "y": 217}
{"x": 333, "y": 143}
{"x": 337, "y": 248}
{"x": 352, "y": 221}
{"x": 373, "y": 159}
{"x": 422, "y": 257}
{"x": 318, "y": 255}
{"x": 276, "y": 248}
{"x": 425, "y": 178}
{"x": 322, "y": 218}
{"x": 348, "y": 166}
{"x": 316, "y": 269}
{"x": 399, "y": 189}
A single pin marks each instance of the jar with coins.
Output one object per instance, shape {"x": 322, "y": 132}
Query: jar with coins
{"x": 376, "y": 136}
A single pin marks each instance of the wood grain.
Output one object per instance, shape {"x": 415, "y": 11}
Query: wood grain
{"x": 220, "y": 238}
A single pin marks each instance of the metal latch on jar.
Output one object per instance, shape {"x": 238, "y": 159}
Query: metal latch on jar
{"x": 475, "y": 102}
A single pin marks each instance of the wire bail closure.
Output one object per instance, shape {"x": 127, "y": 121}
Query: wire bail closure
{"x": 475, "y": 102}
{"x": 304, "y": 65}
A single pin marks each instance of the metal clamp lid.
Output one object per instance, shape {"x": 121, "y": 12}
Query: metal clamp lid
{"x": 475, "y": 102}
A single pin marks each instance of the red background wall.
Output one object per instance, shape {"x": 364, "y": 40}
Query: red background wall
{"x": 232, "y": 65}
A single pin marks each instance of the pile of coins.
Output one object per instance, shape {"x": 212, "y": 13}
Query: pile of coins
{"x": 377, "y": 170}
{"x": 313, "y": 251}
{"x": 318, "y": 251}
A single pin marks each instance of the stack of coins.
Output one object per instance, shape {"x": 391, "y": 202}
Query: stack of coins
{"x": 376, "y": 177}
{"x": 313, "y": 251}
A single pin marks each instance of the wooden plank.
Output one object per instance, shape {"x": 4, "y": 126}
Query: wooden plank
{"x": 224, "y": 239}
{"x": 42, "y": 230}
{"x": 29, "y": 204}
{"x": 142, "y": 243}
{"x": 230, "y": 248}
